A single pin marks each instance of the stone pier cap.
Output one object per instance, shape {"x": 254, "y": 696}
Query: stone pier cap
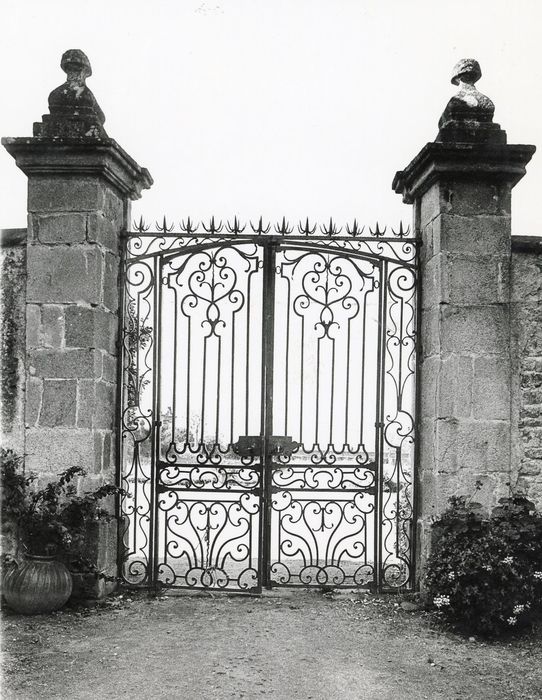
{"x": 80, "y": 155}
{"x": 490, "y": 163}
{"x": 468, "y": 146}
{"x": 71, "y": 139}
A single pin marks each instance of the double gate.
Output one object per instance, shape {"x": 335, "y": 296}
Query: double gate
{"x": 267, "y": 415}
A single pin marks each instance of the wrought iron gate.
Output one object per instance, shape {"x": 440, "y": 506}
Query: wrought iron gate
{"x": 268, "y": 392}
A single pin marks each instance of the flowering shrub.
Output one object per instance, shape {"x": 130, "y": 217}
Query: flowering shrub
{"x": 485, "y": 573}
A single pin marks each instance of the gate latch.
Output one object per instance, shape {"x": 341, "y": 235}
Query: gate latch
{"x": 282, "y": 445}
{"x": 251, "y": 445}
{"x": 248, "y": 445}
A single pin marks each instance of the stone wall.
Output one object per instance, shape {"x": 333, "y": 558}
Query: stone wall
{"x": 12, "y": 323}
{"x": 526, "y": 330}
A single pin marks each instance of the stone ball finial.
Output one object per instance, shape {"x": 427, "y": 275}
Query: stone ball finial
{"x": 74, "y": 60}
{"x": 467, "y": 70}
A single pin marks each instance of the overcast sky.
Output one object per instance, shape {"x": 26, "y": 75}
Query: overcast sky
{"x": 296, "y": 107}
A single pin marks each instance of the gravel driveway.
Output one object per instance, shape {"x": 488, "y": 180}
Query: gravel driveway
{"x": 285, "y": 645}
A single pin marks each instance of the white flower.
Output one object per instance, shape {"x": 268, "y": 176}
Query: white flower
{"x": 441, "y": 601}
{"x": 486, "y": 567}
{"x": 511, "y": 620}
{"x": 538, "y": 575}
{"x": 518, "y": 609}
{"x": 508, "y": 560}
{"x": 451, "y": 575}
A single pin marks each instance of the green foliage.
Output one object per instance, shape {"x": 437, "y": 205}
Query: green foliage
{"x": 53, "y": 519}
{"x": 485, "y": 573}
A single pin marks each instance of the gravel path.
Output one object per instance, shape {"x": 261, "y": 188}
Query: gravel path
{"x": 286, "y": 646}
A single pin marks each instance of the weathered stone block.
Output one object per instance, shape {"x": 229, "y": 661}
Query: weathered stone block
{"x": 58, "y": 403}
{"x": 532, "y": 397}
{"x": 104, "y": 415}
{"x": 91, "y": 328}
{"x": 61, "y": 228}
{"x": 52, "y": 326}
{"x": 103, "y": 230}
{"x": 426, "y": 446}
{"x": 51, "y": 450}
{"x": 102, "y": 448}
{"x": 445, "y": 438}
{"x": 455, "y": 386}
{"x": 483, "y": 235}
{"x": 66, "y": 364}
{"x": 98, "y": 450}
{"x": 530, "y": 468}
{"x": 105, "y": 226}
{"x": 475, "y": 329}
{"x": 434, "y": 282}
{"x": 33, "y": 325}
{"x": 430, "y": 331}
{"x": 109, "y": 368}
{"x": 465, "y": 198}
{"x": 111, "y": 282}
{"x": 531, "y": 411}
{"x": 96, "y": 404}
{"x": 431, "y": 205}
{"x": 65, "y": 194}
{"x": 491, "y": 389}
{"x": 531, "y": 380}
{"x": 429, "y": 370}
{"x": 34, "y": 390}
{"x": 526, "y": 278}
{"x": 476, "y": 280}
{"x": 532, "y": 364}
{"x": 64, "y": 274}
{"x": 113, "y": 206}
{"x": 426, "y": 250}
{"x": 107, "y": 450}
{"x": 86, "y": 399}
{"x": 533, "y": 436}
{"x": 484, "y": 446}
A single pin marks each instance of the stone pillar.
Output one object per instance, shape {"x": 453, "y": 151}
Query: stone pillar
{"x": 460, "y": 186}
{"x": 80, "y": 183}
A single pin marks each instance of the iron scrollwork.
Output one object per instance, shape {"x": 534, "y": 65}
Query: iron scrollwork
{"x": 339, "y": 384}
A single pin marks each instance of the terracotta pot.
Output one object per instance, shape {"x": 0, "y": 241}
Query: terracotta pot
{"x": 40, "y": 585}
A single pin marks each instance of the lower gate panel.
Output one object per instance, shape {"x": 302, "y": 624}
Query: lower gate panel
{"x": 210, "y": 538}
{"x": 322, "y": 536}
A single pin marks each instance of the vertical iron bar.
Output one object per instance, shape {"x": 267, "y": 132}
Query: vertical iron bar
{"x": 218, "y": 377}
{"x": 363, "y": 348}
{"x": 232, "y": 379}
{"x": 121, "y": 393}
{"x": 287, "y": 368}
{"x": 347, "y": 387}
{"x": 417, "y": 412}
{"x": 175, "y": 361}
{"x": 188, "y": 356}
{"x": 301, "y": 382}
{"x": 247, "y": 356}
{"x": 379, "y": 428}
{"x": 268, "y": 304}
{"x": 155, "y": 435}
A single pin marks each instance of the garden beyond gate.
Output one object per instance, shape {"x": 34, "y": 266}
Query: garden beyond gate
{"x": 268, "y": 406}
